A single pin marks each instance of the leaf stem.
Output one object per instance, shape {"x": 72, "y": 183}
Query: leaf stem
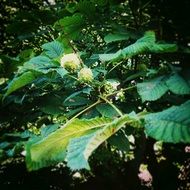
{"x": 86, "y": 109}
{"x": 112, "y": 105}
{"x": 115, "y": 66}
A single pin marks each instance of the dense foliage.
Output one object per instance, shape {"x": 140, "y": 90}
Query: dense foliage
{"x": 94, "y": 81}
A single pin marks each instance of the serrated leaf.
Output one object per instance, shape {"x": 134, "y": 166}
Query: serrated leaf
{"x": 147, "y": 43}
{"x": 19, "y": 82}
{"x": 170, "y": 125}
{"x": 52, "y": 149}
{"x": 153, "y": 89}
{"x": 115, "y": 37}
{"x": 53, "y": 49}
{"x": 40, "y": 63}
{"x": 140, "y": 46}
{"x": 79, "y": 149}
{"x": 178, "y": 85}
{"x": 40, "y": 60}
{"x": 43, "y": 65}
{"x": 111, "y": 56}
{"x": 87, "y": 7}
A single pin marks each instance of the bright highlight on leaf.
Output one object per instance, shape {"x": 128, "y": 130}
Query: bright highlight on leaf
{"x": 80, "y": 149}
{"x": 75, "y": 141}
{"x": 52, "y": 149}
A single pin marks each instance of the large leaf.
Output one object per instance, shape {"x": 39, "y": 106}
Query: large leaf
{"x": 44, "y": 65}
{"x": 106, "y": 110}
{"x": 178, "y": 85}
{"x": 140, "y": 46}
{"x": 20, "y": 81}
{"x": 79, "y": 149}
{"x": 111, "y": 56}
{"x": 53, "y": 49}
{"x": 71, "y": 25}
{"x": 52, "y": 149}
{"x": 153, "y": 89}
{"x": 87, "y": 7}
{"x": 147, "y": 43}
{"x": 170, "y": 125}
{"x": 40, "y": 64}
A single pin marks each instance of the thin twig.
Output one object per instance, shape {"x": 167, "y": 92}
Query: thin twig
{"x": 86, "y": 109}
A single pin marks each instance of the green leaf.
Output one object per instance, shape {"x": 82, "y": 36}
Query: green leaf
{"x": 61, "y": 71}
{"x": 48, "y": 129}
{"x": 153, "y": 89}
{"x": 52, "y": 149}
{"x": 76, "y": 101}
{"x": 163, "y": 48}
{"x": 87, "y": 7}
{"x": 115, "y": 37}
{"x": 147, "y": 43}
{"x": 53, "y": 49}
{"x": 111, "y": 56}
{"x": 170, "y": 125}
{"x": 19, "y": 82}
{"x": 40, "y": 60}
{"x": 71, "y": 25}
{"x": 106, "y": 110}
{"x": 178, "y": 85}
{"x": 52, "y": 104}
{"x": 140, "y": 46}
{"x": 79, "y": 149}
{"x": 40, "y": 63}
{"x": 74, "y": 111}
{"x": 120, "y": 141}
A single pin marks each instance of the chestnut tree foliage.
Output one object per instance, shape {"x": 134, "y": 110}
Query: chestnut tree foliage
{"x": 99, "y": 73}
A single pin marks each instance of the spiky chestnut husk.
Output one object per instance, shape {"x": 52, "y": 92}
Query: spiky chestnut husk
{"x": 85, "y": 75}
{"x": 70, "y": 62}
